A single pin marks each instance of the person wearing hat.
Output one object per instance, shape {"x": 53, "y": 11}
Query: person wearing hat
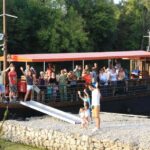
{"x": 96, "y": 95}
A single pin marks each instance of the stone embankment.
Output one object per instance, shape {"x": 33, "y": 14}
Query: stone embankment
{"x": 118, "y": 132}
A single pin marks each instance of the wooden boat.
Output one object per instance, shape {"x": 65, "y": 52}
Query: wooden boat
{"x": 135, "y": 90}
{"x": 128, "y": 98}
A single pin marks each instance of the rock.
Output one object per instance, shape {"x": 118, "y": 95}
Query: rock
{"x": 118, "y": 132}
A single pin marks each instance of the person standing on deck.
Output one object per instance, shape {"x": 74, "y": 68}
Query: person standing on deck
{"x": 78, "y": 71}
{"x": 29, "y": 80}
{"x": 63, "y": 81}
{"x": 96, "y": 95}
{"x": 12, "y": 78}
{"x": 42, "y": 86}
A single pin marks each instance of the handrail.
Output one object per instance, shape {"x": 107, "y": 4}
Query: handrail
{"x": 126, "y": 87}
{"x": 64, "y": 93}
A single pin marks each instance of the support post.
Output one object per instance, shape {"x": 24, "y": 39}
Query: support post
{"x": 72, "y": 65}
{"x": 44, "y": 66}
{"x": 4, "y": 42}
{"x": 83, "y": 64}
{"x": 26, "y": 65}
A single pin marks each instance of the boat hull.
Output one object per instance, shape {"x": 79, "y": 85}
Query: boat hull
{"x": 131, "y": 104}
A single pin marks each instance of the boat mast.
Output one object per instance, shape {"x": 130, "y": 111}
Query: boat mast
{"x": 148, "y": 47}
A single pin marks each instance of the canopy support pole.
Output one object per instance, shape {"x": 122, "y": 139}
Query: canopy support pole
{"x": 73, "y": 65}
{"x": 44, "y": 66}
{"x": 26, "y": 65}
{"x": 82, "y": 64}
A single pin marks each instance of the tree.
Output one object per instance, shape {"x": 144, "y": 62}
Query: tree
{"x": 132, "y": 24}
{"x": 65, "y": 32}
{"x": 101, "y": 22}
{"x": 22, "y": 33}
{"x": 44, "y": 26}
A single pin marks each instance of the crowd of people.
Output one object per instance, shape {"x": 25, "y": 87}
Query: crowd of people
{"x": 51, "y": 83}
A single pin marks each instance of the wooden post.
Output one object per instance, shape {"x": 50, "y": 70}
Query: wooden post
{"x": 4, "y": 41}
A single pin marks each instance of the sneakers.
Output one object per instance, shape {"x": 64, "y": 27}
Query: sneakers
{"x": 95, "y": 129}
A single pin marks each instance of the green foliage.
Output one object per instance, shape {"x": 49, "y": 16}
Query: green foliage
{"x": 4, "y": 119}
{"x": 64, "y": 33}
{"x": 76, "y": 25}
{"x": 132, "y": 24}
{"x": 101, "y": 22}
{"x": 44, "y": 26}
{"x": 6, "y": 145}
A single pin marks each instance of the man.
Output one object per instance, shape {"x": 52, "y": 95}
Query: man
{"x": 12, "y": 77}
{"x": 77, "y": 71}
{"x": 63, "y": 84}
{"x": 96, "y": 95}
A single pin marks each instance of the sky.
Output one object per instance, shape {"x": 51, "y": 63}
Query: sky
{"x": 116, "y": 1}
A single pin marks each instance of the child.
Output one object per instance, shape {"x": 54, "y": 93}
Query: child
{"x": 86, "y": 100}
{"x": 49, "y": 92}
{"x": 87, "y": 112}
{"x": 55, "y": 90}
{"x": 82, "y": 115}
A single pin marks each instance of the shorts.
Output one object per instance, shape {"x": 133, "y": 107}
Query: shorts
{"x": 2, "y": 88}
{"x": 87, "y": 113}
{"x": 29, "y": 87}
{"x": 13, "y": 88}
{"x": 96, "y": 111}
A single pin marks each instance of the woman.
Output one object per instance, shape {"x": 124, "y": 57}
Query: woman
{"x": 29, "y": 80}
{"x": 103, "y": 77}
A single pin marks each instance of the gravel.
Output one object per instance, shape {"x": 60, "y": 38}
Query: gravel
{"x": 129, "y": 129}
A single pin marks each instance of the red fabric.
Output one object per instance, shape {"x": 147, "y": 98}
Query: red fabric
{"x": 12, "y": 76}
{"x": 87, "y": 78}
{"x": 22, "y": 86}
{"x": 7, "y": 90}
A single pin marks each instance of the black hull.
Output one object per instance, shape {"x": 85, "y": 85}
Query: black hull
{"x": 138, "y": 105}
{"x": 134, "y": 104}
{"x": 17, "y": 111}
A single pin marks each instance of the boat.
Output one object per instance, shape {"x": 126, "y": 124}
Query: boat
{"x": 128, "y": 98}
{"x": 132, "y": 97}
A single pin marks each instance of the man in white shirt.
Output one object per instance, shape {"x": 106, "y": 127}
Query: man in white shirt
{"x": 96, "y": 95}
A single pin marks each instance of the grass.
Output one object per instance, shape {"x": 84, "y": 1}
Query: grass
{"x": 6, "y": 145}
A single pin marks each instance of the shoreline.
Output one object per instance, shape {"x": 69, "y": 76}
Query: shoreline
{"x": 118, "y": 131}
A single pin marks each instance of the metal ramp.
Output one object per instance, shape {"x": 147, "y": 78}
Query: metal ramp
{"x": 52, "y": 111}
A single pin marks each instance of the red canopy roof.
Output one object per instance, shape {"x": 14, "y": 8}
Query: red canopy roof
{"x": 79, "y": 56}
